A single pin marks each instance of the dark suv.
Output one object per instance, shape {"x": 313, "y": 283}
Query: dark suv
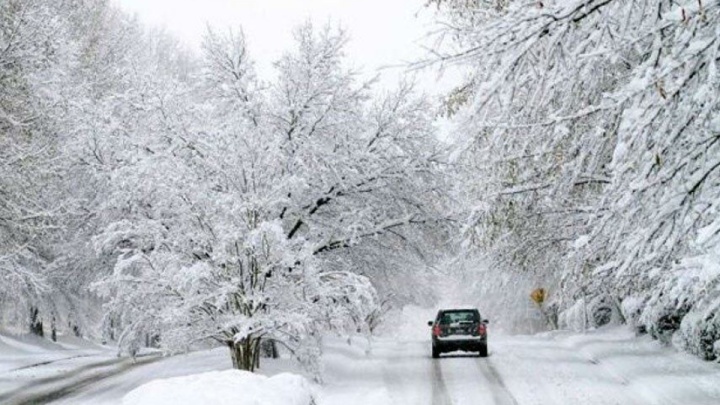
{"x": 459, "y": 329}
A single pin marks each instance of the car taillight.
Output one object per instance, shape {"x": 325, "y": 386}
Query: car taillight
{"x": 482, "y": 330}
{"x": 436, "y": 330}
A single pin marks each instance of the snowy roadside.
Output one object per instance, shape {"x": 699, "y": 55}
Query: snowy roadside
{"x": 606, "y": 366}
{"x": 36, "y": 370}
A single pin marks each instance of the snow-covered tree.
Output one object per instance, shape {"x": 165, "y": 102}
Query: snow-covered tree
{"x": 70, "y": 93}
{"x": 38, "y": 58}
{"x": 593, "y": 126}
{"x": 234, "y": 204}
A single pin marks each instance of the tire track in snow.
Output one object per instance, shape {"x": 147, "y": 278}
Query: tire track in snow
{"x": 410, "y": 375}
{"x": 439, "y": 390}
{"x": 45, "y": 363}
{"x": 46, "y": 381}
{"x": 391, "y": 373}
{"x": 501, "y": 394}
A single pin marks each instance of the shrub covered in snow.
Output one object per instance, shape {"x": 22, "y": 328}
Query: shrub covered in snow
{"x": 699, "y": 330}
{"x": 631, "y": 308}
{"x": 667, "y": 306}
{"x": 574, "y": 317}
{"x": 230, "y": 387}
{"x": 599, "y": 311}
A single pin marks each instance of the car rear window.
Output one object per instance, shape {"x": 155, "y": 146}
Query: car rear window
{"x": 447, "y": 317}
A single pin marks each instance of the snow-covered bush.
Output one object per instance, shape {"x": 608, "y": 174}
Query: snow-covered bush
{"x": 631, "y": 308}
{"x": 683, "y": 307}
{"x": 699, "y": 329}
{"x": 574, "y": 317}
{"x": 603, "y": 311}
{"x": 598, "y": 311}
{"x": 668, "y": 304}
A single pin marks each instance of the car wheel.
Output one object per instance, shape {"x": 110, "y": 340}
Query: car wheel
{"x": 435, "y": 352}
{"x": 483, "y": 350}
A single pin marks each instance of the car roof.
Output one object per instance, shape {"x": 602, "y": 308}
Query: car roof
{"x": 458, "y": 309}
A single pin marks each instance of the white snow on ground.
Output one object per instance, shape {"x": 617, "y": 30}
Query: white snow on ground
{"x": 26, "y": 350}
{"x": 392, "y": 373}
{"x": 231, "y": 387}
{"x": 26, "y": 359}
{"x": 606, "y": 366}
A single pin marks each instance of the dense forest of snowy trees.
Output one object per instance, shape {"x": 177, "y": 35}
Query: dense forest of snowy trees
{"x": 591, "y": 129}
{"x": 177, "y": 199}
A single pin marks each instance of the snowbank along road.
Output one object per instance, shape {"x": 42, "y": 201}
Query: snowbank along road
{"x": 603, "y": 367}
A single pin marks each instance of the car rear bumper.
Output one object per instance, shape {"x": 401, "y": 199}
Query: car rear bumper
{"x": 459, "y": 338}
{"x": 465, "y": 343}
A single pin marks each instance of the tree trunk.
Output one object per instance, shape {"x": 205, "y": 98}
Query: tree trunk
{"x": 244, "y": 353}
{"x": 618, "y": 308}
{"x": 268, "y": 349}
{"x": 53, "y": 329}
{"x": 36, "y": 325}
{"x": 111, "y": 330}
{"x": 257, "y": 354}
{"x": 76, "y": 331}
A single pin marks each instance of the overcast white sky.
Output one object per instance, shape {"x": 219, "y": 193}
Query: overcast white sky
{"x": 383, "y": 32}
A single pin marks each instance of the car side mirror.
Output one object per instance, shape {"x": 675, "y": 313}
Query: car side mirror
{"x": 486, "y": 321}
{"x": 430, "y": 323}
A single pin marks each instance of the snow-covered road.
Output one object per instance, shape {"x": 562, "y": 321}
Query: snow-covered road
{"x": 604, "y": 367}
{"x": 411, "y": 376}
{"x": 609, "y": 366}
